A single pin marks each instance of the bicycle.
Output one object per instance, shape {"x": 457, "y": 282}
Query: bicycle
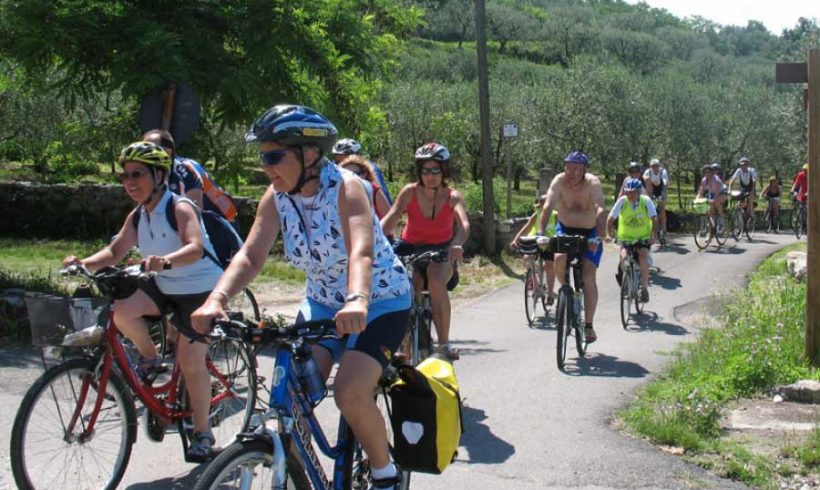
{"x": 420, "y": 337}
{"x": 743, "y": 217}
{"x": 84, "y": 406}
{"x": 535, "y": 286}
{"x": 662, "y": 234}
{"x": 771, "y": 218}
{"x": 706, "y": 227}
{"x": 280, "y": 452}
{"x": 570, "y": 297}
{"x": 631, "y": 282}
{"x": 798, "y": 217}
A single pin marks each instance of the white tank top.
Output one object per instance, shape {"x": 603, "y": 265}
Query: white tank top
{"x": 156, "y": 237}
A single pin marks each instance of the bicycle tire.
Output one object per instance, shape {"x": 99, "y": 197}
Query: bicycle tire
{"x": 797, "y": 222}
{"x": 563, "y": 323}
{"x": 117, "y": 404}
{"x": 723, "y": 237}
{"x": 702, "y": 232}
{"x": 530, "y": 296}
{"x": 255, "y": 455}
{"x": 235, "y": 372}
{"x": 626, "y": 300}
{"x": 737, "y": 223}
{"x": 245, "y": 302}
{"x": 768, "y": 219}
{"x": 425, "y": 331}
{"x": 751, "y": 225}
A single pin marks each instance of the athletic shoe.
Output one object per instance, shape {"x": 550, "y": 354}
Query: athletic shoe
{"x": 644, "y": 295}
{"x": 589, "y": 334}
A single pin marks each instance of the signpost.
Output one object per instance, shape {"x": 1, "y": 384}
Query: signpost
{"x": 509, "y": 131}
{"x": 810, "y": 73}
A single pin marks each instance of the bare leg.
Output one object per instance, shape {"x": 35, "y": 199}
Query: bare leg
{"x": 643, "y": 257}
{"x": 588, "y": 273}
{"x": 191, "y": 358}
{"x": 438, "y": 273}
{"x": 549, "y": 269}
{"x": 128, "y": 315}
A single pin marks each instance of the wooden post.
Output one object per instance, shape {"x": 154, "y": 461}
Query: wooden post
{"x": 813, "y": 235}
{"x": 810, "y": 73}
{"x": 484, "y": 130}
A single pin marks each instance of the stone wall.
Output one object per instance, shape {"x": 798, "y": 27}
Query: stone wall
{"x": 83, "y": 211}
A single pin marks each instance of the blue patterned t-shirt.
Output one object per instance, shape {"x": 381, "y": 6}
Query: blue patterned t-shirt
{"x": 313, "y": 242}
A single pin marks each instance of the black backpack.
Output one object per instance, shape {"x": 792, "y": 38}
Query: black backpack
{"x": 224, "y": 238}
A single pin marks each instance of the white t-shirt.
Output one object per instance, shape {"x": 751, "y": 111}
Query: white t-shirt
{"x": 745, "y": 177}
{"x": 657, "y": 178}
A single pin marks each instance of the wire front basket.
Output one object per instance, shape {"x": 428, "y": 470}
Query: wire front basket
{"x": 52, "y": 317}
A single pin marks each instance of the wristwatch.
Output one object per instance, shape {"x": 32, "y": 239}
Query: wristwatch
{"x": 357, "y": 296}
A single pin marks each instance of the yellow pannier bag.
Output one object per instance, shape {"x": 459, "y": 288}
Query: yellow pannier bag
{"x": 425, "y": 416}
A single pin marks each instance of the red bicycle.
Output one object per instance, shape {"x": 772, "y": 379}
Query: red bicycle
{"x": 78, "y": 421}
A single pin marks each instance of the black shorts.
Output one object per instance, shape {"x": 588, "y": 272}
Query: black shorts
{"x": 748, "y": 189}
{"x": 403, "y": 248}
{"x": 657, "y": 190}
{"x": 181, "y": 305}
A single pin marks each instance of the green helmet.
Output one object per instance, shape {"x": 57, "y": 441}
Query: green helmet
{"x": 146, "y": 153}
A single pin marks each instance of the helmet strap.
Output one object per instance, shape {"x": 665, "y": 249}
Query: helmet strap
{"x": 307, "y": 173}
{"x": 159, "y": 187}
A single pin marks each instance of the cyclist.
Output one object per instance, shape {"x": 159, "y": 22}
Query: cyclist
{"x": 800, "y": 187}
{"x": 715, "y": 191}
{"x": 364, "y": 170}
{"x": 637, "y": 220}
{"x": 184, "y": 276}
{"x": 346, "y": 147}
{"x": 747, "y": 177}
{"x": 190, "y": 179}
{"x": 772, "y": 195}
{"x": 329, "y": 231}
{"x": 436, "y": 220}
{"x": 634, "y": 171}
{"x": 656, "y": 181}
{"x": 579, "y": 198}
{"x": 530, "y": 228}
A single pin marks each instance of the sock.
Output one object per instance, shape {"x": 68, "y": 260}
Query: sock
{"x": 587, "y": 325}
{"x": 388, "y": 471}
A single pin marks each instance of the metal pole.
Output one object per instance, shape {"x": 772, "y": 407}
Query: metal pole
{"x": 509, "y": 178}
{"x": 813, "y": 235}
{"x": 484, "y": 128}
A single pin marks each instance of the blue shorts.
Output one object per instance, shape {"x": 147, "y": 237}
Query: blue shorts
{"x": 594, "y": 257}
{"x": 387, "y": 323}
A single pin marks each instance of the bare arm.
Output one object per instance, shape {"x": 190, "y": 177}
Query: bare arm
{"x": 550, "y": 202}
{"x": 524, "y": 229}
{"x": 391, "y": 219}
{"x": 112, "y": 253}
{"x": 357, "y": 228}
{"x": 462, "y": 228}
{"x": 382, "y": 208}
{"x": 598, "y": 202}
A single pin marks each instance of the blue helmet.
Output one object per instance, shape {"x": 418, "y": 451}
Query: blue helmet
{"x": 577, "y": 157}
{"x": 631, "y": 185}
{"x": 293, "y": 125}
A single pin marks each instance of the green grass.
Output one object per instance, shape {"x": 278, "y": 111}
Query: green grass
{"x": 760, "y": 346}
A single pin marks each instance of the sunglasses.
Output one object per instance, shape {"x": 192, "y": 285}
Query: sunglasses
{"x": 136, "y": 174}
{"x": 430, "y": 170}
{"x": 272, "y": 158}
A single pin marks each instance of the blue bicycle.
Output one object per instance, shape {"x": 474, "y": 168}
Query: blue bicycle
{"x": 280, "y": 453}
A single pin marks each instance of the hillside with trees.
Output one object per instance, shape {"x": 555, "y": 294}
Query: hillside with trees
{"x": 622, "y": 82}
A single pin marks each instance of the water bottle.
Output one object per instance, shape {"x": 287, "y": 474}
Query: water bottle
{"x": 82, "y": 308}
{"x": 312, "y": 381}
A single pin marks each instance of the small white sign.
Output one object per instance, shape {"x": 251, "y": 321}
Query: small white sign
{"x": 510, "y": 130}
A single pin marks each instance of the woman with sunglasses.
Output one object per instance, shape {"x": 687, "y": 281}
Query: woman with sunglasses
{"x": 436, "y": 220}
{"x": 184, "y": 276}
{"x": 330, "y": 231}
{"x": 364, "y": 170}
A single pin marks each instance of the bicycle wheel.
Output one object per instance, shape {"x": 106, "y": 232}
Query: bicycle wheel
{"x": 530, "y": 295}
{"x": 246, "y": 303}
{"x": 768, "y": 219}
{"x": 636, "y": 281}
{"x": 249, "y": 465}
{"x": 737, "y": 223}
{"x": 721, "y": 230}
{"x": 626, "y": 299}
{"x": 797, "y": 222}
{"x": 46, "y": 454}
{"x": 233, "y": 390}
{"x": 563, "y": 324}
{"x": 751, "y": 225}
{"x": 703, "y": 232}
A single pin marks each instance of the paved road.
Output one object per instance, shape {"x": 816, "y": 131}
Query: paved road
{"x": 527, "y": 425}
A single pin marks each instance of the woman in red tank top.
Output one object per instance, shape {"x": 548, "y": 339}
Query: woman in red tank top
{"x": 436, "y": 219}
{"x": 364, "y": 170}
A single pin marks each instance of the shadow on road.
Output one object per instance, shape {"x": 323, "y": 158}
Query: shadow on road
{"x": 648, "y": 321}
{"x": 672, "y": 247}
{"x": 597, "y": 364}
{"x": 544, "y": 323}
{"x": 482, "y": 445}
{"x": 178, "y": 482}
{"x": 20, "y": 357}
{"x": 727, "y": 249}
{"x": 465, "y": 347}
{"x": 665, "y": 282}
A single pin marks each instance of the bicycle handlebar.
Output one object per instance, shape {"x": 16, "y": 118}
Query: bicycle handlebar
{"x": 428, "y": 256}
{"x": 311, "y": 331}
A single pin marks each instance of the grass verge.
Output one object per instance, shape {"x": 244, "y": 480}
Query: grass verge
{"x": 760, "y": 346}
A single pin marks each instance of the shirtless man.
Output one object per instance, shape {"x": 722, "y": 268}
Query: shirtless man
{"x": 579, "y": 198}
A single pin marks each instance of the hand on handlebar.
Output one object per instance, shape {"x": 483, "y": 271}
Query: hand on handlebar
{"x": 72, "y": 260}
{"x": 352, "y": 318}
{"x": 203, "y": 317}
{"x": 609, "y": 239}
{"x": 455, "y": 253}
{"x": 155, "y": 263}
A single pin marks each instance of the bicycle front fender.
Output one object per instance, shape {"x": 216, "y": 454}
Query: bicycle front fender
{"x": 271, "y": 436}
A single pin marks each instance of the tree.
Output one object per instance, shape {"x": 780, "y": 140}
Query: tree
{"x": 240, "y": 55}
